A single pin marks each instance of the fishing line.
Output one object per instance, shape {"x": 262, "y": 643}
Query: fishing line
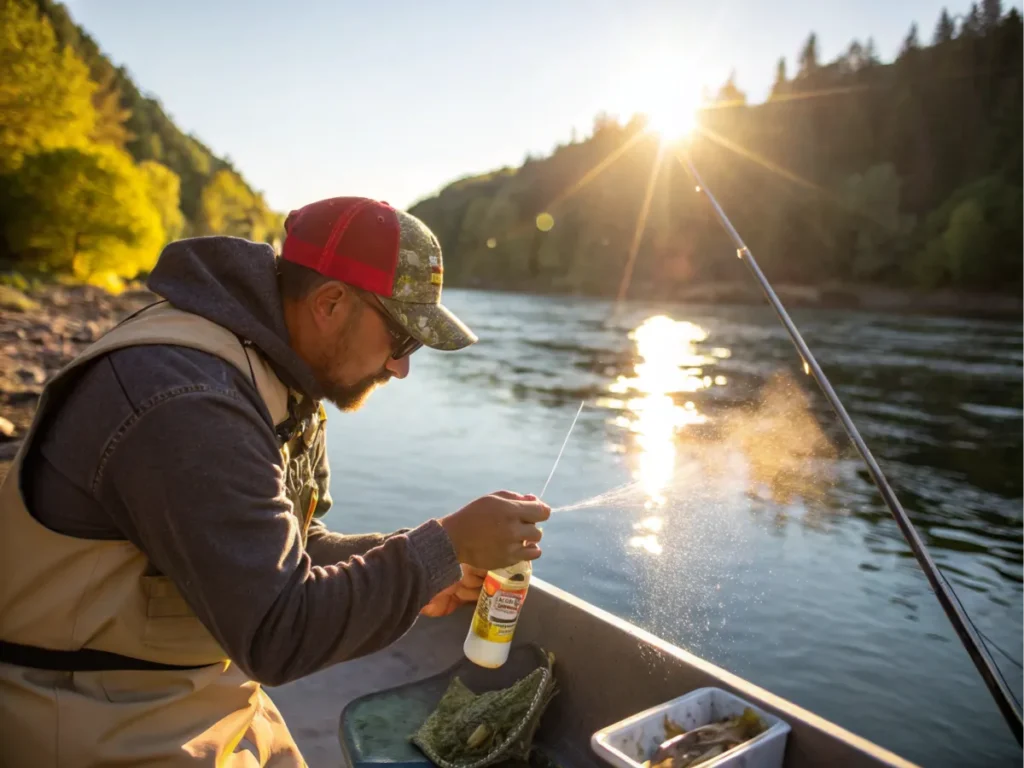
{"x": 562, "y": 449}
{"x": 985, "y": 638}
{"x": 992, "y": 642}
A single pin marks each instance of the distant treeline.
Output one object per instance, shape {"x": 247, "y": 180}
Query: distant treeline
{"x": 905, "y": 173}
{"x": 94, "y": 177}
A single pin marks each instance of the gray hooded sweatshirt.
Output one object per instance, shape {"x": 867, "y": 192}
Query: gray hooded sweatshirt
{"x": 172, "y": 449}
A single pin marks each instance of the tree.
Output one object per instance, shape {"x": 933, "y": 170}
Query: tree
{"x": 45, "y": 91}
{"x": 967, "y": 235}
{"x": 855, "y": 59}
{"x": 974, "y": 238}
{"x": 111, "y": 117}
{"x": 871, "y": 53}
{"x": 809, "y": 57}
{"x": 228, "y": 207}
{"x": 910, "y": 138}
{"x": 872, "y": 202}
{"x": 910, "y": 43}
{"x": 972, "y": 22}
{"x": 991, "y": 14}
{"x": 605, "y": 123}
{"x": 163, "y": 187}
{"x": 730, "y": 94}
{"x": 944, "y": 30}
{"x": 86, "y": 210}
{"x": 781, "y": 81}
{"x": 149, "y": 133}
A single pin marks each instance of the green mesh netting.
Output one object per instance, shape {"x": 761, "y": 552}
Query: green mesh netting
{"x": 471, "y": 731}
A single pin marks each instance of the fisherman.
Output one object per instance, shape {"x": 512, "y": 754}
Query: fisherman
{"x": 161, "y": 549}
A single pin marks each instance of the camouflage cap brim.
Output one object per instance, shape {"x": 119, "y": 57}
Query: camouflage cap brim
{"x": 433, "y": 324}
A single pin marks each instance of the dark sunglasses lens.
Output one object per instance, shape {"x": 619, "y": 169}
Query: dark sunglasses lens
{"x": 409, "y": 346}
{"x": 404, "y": 344}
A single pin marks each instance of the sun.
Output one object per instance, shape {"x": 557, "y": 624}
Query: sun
{"x": 674, "y": 118}
{"x": 661, "y": 86}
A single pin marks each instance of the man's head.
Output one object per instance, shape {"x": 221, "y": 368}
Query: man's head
{"x": 361, "y": 286}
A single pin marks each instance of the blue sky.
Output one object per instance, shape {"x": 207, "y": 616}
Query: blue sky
{"x": 394, "y": 99}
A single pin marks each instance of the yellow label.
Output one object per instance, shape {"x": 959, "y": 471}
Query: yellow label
{"x": 497, "y": 611}
{"x": 435, "y": 278}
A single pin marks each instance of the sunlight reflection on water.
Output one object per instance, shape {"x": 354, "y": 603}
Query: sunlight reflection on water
{"x": 669, "y": 364}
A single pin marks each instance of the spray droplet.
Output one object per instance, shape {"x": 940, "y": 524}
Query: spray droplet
{"x": 807, "y": 368}
{"x": 492, "y": 243}
{"x": 697, "y": 188}
{"x": 545, "y": 222}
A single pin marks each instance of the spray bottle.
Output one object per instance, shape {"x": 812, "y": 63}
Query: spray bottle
{"x": 497, "y": 612}
{"x": 489, "y": 640}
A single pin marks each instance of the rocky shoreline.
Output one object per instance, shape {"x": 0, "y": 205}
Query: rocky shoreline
{"x": 40, "y": 333}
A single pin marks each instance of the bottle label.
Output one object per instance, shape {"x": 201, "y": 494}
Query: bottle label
{"x": 497, "y": 611}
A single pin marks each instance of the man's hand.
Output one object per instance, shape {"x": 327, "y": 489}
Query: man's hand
{"x": 465, "y": 591}
{"x": 498, "y": 530}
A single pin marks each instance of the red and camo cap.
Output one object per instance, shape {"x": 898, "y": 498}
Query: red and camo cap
{"x": 383, "y": 250}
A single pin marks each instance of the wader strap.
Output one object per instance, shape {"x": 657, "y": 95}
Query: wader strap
{"x": 83, "y": 660}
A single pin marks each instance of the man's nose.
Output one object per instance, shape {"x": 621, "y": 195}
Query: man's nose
{"x": 398, "y": 368}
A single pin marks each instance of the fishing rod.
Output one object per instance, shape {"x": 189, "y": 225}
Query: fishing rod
{"x": 950, "y": 603}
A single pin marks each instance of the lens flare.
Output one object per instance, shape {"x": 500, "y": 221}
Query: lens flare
{"x": 673, "y": 119}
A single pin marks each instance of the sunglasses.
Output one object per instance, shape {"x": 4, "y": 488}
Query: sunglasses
{"x": 402, "y": 344}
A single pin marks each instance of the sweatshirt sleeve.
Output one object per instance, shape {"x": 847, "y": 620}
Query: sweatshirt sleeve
{"x": 324, "y": 546}
{"x": 195, "y": 481}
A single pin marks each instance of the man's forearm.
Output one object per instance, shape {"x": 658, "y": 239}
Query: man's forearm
{"x": 328, "y": 548}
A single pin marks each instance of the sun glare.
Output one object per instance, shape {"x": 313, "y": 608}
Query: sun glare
{"x": 675, "y": 118}
{"x": 662, "y": 87}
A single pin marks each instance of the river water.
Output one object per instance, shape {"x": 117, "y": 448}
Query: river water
{"x": 749, "y": 533}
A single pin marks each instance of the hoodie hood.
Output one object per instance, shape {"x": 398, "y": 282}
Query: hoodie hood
{"x": 233, "y": 282}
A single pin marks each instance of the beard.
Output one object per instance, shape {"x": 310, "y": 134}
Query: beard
{"x": 350, "y": 397}
{"x": 347, "y": 397}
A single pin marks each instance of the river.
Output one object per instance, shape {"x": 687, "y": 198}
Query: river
{"x": 749, "y": 533}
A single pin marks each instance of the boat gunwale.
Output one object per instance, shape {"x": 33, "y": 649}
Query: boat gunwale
{"x": 782, "y": 707}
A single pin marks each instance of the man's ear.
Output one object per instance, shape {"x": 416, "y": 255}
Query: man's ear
{"x": 327, "y": 300}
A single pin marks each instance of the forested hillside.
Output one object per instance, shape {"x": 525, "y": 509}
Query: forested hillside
{"x": 94, "y": 176}
{"x": 905, "y": 173}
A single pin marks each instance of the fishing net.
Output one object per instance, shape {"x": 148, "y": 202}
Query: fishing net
{"x": 469, "y": 730}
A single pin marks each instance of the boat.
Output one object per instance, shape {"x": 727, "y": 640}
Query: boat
{"x": 606, "y": 670}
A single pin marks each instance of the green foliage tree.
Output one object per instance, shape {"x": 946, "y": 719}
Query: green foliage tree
{"x": 84, "y": 210}
{"x": 974, "y": 238}
{"x": 862, "y": 172}
{"x": 229, "y": 207}
{"x": 875, "y": 223}
{"x": 111, "y": 116}
{"x": 967, "y": 234}
{"x": 149, "y": 134}
{"x": 45, "y": 91}
{"x": 163, "y": 187}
